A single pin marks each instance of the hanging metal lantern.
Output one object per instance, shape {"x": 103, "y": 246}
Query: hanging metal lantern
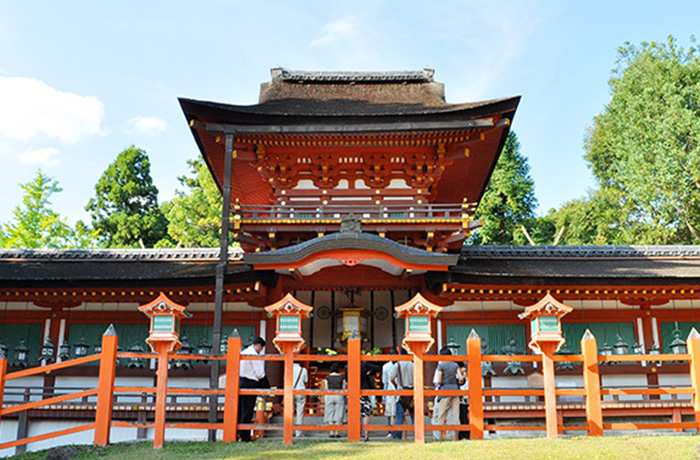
{"x": 97, "y": 348}
{"x": 81, "y": 347}
{"x": 637, "y": 348}
{"x": 185, "y": 349}
{"x": 605, "y": 350}
{"x": 204, "y": 349}
{"x": 3, "y": 349}
{"x": 453, "y": 346}
{"x": 565, "y": 365}
{"x": 512, "y": 367}
{"x": 136, "y": 363}
{"x": 47, "y": 350}
{"x": 678, "y": 346}
{"x": 64, "y": 351}
{"x": 21, "y": 355}
{"x": 223, "y": 346}
{"x": 486, "y": 366}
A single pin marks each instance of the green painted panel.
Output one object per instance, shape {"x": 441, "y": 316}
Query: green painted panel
{"x": 603, "y": 332}
{"x": 163, "y": 323}
{"x": 195, "y": 334}
{"x": 13, "y": 333}
{"x": 667, "y": 328}
{"x": 418, "y": 324}
{"x": 289, "y": 323}
{"x": 549, "y": 323}
{"x": 495, "y": 336}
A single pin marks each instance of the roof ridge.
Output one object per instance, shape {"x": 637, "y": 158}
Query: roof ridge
{"x": 281, "y": 74}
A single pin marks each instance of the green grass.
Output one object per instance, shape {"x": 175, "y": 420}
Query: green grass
{"x": 585, "y": 448}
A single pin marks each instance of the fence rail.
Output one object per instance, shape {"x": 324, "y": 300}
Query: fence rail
{"x": 483, "y": 401}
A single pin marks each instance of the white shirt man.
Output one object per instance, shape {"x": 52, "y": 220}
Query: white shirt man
{"x": 301, "y": 377}
{"x": 252, "y": 374}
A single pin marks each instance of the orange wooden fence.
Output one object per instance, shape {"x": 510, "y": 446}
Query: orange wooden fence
{"x": 591, "y": 392}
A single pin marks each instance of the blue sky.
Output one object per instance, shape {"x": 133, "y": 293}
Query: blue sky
{"x": 82, "y": 80}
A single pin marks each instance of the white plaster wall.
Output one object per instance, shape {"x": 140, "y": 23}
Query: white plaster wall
{"x": 8, "y": 432}
{"x": 618, "y": 381}
{"x": 674, "y": 380}
{"x": 510, "y": 382}
{"x": 17, "y": 386}
{"x": 569, "y": 382}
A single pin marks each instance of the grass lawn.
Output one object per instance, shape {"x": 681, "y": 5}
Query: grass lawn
{"x": 587, "y": 448}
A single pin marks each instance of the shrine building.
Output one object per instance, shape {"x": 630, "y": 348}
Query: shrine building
{"x": 353, "y": 192}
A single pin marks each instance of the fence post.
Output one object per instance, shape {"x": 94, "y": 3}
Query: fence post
{"x": 161, "y": 394}
{"x": 591, "y": 384}
{"x": 233, "y": 384}
{"x": 418, "y": 393}
{"x": 288, "y": 396}
{"x": 3, "y": 371}
{"x": 476, "y": 390}
{"x": 105, "y": 386}
{"x": 354, "y": 363}
{"x": 550, "y": 396}
{"x": 694, "y": 350}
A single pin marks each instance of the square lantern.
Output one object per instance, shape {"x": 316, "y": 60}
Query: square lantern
{"x": 350, "y": 319}
{"x": 289, "y": 313}
{"x": 165, "y": 316}
{"x": 418, "y": 312}
{"x": 545, "y": 322}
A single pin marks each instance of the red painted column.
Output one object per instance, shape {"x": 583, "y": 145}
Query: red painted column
{"x": 550, "y": 397}
{"x": 105, "y": 387}
{"x": 591, "y": 384}
{"x": 161, "y": 394}
{"x": 233, "y": 384}
{"x": 476, "y": 391}
{"x": 3, "y": 371}
{"x": 288, "y": 398}
{"x": 418, "y": 393}
{"x": 694, "y": 350}
{"x": 354, "y": 363}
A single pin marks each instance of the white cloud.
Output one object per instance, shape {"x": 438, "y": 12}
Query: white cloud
{"x": 337, "y": 31}
{"x": 30, "y": 109}
{"x": 46, "y": 157}
{"x": 146, "y": 125}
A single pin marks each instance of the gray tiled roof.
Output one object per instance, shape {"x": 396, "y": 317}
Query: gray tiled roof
{"x": 536, "y": 252}
{"x": 165, "y": 254}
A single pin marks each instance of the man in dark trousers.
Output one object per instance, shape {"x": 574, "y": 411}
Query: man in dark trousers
{"x": 252, "y": 376}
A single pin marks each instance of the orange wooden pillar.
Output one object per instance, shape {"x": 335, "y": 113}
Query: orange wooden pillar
{"x": 418, "y": 393}
{"x": 476, "y": 390}
{"x": 233, "y": 385}
{"x": 105, "y": 386}
{"x": 162, "y": 348}
{"x": 550, "y": 397}
{"x": 591, "y": 384}
{"x": 694, "y": 350}
{"x": 288, "y": 397}
{"x": 3, "y": 371}
{"x": 354, "y": 364}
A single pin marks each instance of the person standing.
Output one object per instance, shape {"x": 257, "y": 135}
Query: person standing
{"x": 367, "y": 382}
{"x": 301, "y": 377}
{"x": 403, "y": 380}
{"x": 252, "y": 375}
{"x": 449, "y": 377}
{"x": 390, "y": 401}
{"x": 334, "y": 410}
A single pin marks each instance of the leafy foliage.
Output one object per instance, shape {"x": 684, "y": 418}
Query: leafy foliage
{"x": 125, "y": 207}
{"x": 194, "y": 219}
{"x": 509, "y": 200}
{"x": 644, "y": 150}
{"x": 36, "y": 225}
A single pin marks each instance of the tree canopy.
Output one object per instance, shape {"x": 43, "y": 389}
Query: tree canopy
{"x": 36, "y": 225}
{"x": 194, "y": 218}
{"x": 509, "y": 199}
{"x": 644, "y": 151}
{"x": 125, "y": 208}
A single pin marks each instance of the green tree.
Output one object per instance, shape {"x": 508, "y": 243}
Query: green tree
{"x": 509, "y": 200}
{"x": 36, "y": 225}
{"x": 194, "y": 218}
{"x": 644, "y": 148}
{"x": 125, "y": 207}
